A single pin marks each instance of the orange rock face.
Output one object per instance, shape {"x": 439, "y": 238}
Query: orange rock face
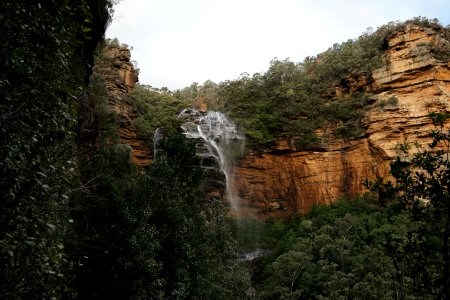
{"x": 284, "y": 180}
{"x": 120, "y": 83}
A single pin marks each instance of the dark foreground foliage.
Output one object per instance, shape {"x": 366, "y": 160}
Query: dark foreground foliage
{"x": 46, "y": 51}
{"x": 154, "y": 236}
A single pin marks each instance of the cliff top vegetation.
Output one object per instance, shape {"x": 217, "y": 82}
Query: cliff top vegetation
{"x": 294, "y": 100}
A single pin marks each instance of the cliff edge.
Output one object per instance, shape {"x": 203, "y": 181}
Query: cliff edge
{"x": 413, "y": 82}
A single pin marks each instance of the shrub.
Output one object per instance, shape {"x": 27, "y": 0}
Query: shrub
{"x": 392, "y": 101}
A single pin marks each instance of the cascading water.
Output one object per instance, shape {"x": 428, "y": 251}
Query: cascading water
{"x": 219, "y": 139}
{"x": 157, "y": 137}
{"x": 222, "y": 140}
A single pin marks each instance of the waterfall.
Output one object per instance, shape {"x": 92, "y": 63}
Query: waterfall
{"x": 157, "y": 137}
{"x": 222, "y": 140}
{"x": 219, "y": 144}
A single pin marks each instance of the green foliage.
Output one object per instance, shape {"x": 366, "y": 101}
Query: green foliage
{"x": 267, "y": 107}
{"x": 441, "y": 51}
{"x": 156, "y": 109}
{"x": 390, "y": 103}
{"x": 294, "y": 100}
{"x": 195, "y": 248}
{"x": 99, "y": 232}
{"x": 351, "y": 249}
{"x": 422, "y": 190}
{"x": 45, "y": 56}
{"x": 196, "y": 94}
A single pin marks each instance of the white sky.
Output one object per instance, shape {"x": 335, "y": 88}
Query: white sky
{"x": 178, "y": 42}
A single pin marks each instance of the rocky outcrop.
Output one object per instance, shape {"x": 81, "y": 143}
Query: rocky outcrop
{"x": 125, "y": 70}
{"x": 412, "y": 84}
{"x": 120, "y": 77}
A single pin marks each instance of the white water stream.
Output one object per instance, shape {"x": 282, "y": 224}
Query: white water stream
{"x": 223, "y": 140}
{"x": 157, "y": 137}
{"x": 225, "y": 143}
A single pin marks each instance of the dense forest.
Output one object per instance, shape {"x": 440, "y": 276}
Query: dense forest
{"x": 81, "y": 221}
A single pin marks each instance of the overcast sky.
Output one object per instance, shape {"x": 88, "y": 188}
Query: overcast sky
{"x": 178, "y": 42}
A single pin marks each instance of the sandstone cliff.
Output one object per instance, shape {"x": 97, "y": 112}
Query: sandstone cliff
{"x": 120, "y": 78}
{"x": 284, "y": 180}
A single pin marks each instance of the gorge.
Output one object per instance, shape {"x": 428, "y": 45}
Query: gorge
{"x": 283, "y": 178}
{"x": 112, "y": 189}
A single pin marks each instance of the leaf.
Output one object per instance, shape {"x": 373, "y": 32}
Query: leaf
{"x": 51, "y": 226}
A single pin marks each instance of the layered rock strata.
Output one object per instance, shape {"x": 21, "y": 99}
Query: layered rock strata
{"x": 413, "y": 83}
{"x": 120, "y": 78}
